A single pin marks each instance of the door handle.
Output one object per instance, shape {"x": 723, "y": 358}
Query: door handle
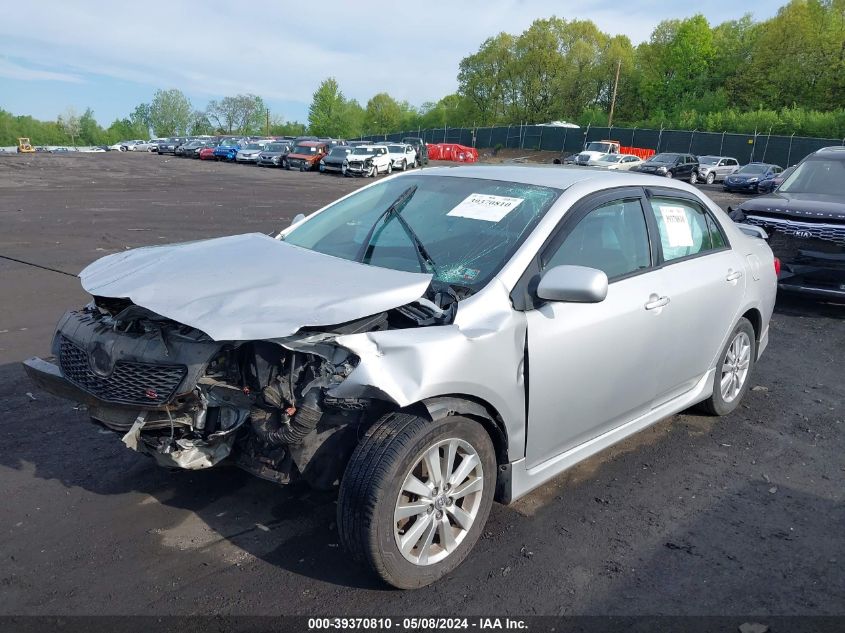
{"x": 659, "y": 302}
{"x": 733, "y": 276}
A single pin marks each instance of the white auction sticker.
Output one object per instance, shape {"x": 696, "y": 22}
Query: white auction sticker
{"x": 481, "y": 206}
{"x": 678, "y": 230}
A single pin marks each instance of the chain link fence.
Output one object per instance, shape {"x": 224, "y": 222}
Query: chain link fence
{"x": 781, "y": 150}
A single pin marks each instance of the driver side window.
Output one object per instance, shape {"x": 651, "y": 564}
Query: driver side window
{"x": 612, "y": 238}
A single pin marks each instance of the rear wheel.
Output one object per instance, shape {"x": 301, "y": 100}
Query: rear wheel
{"x": 416, "y": 495}
{"x": 733, "y": 371}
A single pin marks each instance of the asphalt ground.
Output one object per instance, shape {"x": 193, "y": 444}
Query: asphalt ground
{"x": 694, "y": 516}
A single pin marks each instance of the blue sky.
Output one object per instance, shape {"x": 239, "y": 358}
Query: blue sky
{"x": 112, "y": 55}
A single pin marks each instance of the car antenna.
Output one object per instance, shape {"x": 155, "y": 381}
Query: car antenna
{"x": 53, "y": 270}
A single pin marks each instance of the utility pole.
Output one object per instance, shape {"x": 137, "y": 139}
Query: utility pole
{"x": 267, "y": 121}
{"x": 613, "y": 100}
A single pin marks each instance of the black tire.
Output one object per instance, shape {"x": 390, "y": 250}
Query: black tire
{"x": 371, "y": 486}
{"x": 711, "y": 178}
{"x": 716, "y": 404}
{"x": 693, "y": 178}
{"x": 669, "y": 174}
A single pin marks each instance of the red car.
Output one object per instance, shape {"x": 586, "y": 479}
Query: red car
{"x": 206, "y": 153}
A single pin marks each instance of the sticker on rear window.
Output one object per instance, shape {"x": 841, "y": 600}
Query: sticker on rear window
{"x": 678, "y": 231}
{"x": 482, "y": 206}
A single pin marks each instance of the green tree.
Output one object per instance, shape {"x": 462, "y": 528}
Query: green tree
{"x": 240, "y": 114}
{"x": 383, "y": 114}
{"x": 170, "y": 112}
{"x": 353, "y": 119}
{"x": 90, "y": 132}
{"x": 676, "y": 62}
{"x": 327, "y": 110}
{"x": 200, "y": 125}
{"x": 798, "y": 57}
{"x": 140, "y": 121}
{"x": 280, "y": 127}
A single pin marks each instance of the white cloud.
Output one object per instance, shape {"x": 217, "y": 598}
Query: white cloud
{"x": 282, "y": 50}
{"x": 11, "y": 70}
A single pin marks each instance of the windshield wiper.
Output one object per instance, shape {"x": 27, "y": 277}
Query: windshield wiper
{"x": 395, "y": 210}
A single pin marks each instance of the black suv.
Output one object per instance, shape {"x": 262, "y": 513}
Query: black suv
{"x": 419, "y": 145}
{"x": 671, "y": 165}
{"x": 805, "y": 223}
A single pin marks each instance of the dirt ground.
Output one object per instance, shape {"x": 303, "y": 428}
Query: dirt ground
{"x": 696, "y": 515}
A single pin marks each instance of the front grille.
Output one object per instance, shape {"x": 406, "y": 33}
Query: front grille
{"x": 834, "y": 233}
{"x": 142, "y": 384}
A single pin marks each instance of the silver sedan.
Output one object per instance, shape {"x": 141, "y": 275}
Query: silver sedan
{"x": 430, "y": 342}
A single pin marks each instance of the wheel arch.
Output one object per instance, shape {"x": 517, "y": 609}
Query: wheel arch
{"x": 474, "y": 408}
{"x": 756, "y": 319}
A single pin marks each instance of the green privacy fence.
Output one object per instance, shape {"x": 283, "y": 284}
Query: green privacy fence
{"x": 781, "y": 150}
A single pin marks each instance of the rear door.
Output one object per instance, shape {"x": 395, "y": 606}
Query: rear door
{"x": 704, "y": 283}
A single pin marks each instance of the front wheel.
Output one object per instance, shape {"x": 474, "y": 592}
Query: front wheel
{"x": 416, "y": 495}
{"x": 389, "y": 168}
{"x": 693, "y": 178}
{"x": 735, "y": 366}
{"x": 711, "y": 178}
{"x": 669, "y": 174}
{"x": 404, "y": 165}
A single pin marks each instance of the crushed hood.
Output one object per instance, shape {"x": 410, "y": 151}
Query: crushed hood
{"x": 248, "y": 287}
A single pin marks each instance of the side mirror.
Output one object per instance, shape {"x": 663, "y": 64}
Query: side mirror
{"x": 299, "y": 217}
{"x": 578, "y": 284}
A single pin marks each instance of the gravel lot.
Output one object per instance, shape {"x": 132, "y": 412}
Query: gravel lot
{"x": 696, "y": 515}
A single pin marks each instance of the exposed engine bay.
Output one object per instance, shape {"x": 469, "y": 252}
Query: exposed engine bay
{"x": 191, "y": 402}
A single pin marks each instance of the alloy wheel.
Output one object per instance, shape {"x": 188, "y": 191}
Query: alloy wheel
{"x": 735, "y": 367}
{"x": 439, "y": 502}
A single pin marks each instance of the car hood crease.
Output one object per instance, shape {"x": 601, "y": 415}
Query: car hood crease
{"x": 248, "y": 287}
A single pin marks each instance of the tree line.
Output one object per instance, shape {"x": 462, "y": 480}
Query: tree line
{"x": 783, "y": 75}
{"x": 169, "y": 113}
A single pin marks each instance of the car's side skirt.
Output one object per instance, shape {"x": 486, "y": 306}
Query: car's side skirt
{"x": 523, "y": 480}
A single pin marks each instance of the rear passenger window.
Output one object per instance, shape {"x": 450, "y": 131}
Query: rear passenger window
{"x": 686, "y": 229}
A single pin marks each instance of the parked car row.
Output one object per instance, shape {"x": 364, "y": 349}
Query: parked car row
{"x": 303, "y": 153}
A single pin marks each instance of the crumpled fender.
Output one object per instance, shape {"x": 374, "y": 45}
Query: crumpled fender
{"x": 479, "y": 355}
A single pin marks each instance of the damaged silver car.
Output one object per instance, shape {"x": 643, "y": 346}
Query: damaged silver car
{"x": 427, "y": 343}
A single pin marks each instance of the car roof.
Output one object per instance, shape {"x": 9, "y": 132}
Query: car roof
{"x": 311, "y": 143}
{"x": 557, "y": 176}
{"x": 836, "y": 152}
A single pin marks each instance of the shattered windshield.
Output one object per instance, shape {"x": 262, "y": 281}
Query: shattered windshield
{"x": 470, "y": 226}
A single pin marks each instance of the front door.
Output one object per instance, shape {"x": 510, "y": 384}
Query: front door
{"x": 593, "y": 366}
